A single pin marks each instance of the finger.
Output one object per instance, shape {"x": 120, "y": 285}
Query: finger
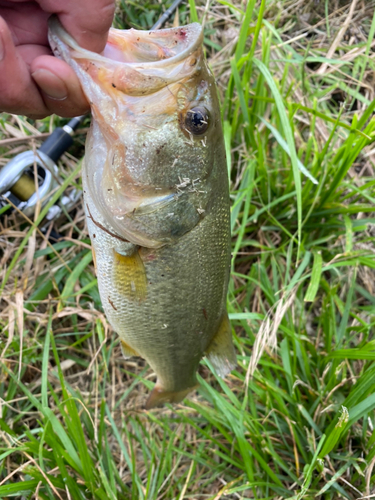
{"x": 54, "y": 87}
{"x": 27, "y": 22}
{"x": 29, "y": 52}
{"x": 60, "y": 87}
{"x": 18, "y": 92}
{"x": 87, "y": 21}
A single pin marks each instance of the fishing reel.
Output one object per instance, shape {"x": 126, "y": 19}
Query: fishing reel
{"x": 31, "y": 176}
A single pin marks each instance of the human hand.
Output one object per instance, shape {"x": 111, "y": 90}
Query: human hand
{"x": 32, "y": 81}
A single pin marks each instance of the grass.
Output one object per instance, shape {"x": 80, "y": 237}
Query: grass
{"x": 296, "y": 418}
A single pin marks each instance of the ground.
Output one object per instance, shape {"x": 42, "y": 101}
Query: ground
{"x": 296, "y": 418}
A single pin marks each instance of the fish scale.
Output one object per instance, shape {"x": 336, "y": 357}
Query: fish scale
{"x": 157, "y": 200}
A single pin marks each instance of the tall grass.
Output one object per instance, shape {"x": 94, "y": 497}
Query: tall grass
{"x": 296, "y": 418}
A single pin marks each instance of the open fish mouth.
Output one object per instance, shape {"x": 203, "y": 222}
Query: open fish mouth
{"x": 135, "y": 62}
{"x": 149, "y": 92}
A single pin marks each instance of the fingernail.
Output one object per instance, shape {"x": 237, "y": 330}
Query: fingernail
{"x": 50, "y": 84}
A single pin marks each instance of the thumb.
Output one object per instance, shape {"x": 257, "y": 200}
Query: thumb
{"x": 87, "y": 21}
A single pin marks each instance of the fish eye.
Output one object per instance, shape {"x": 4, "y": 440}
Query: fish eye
{"x": 197, "y": 120}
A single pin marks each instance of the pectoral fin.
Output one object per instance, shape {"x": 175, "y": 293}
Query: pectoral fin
{"x": 220, "y": 352}
{"x": 159, "y": 396}
{"x": 130, "y": 275}
{"x": 127, "y": 351}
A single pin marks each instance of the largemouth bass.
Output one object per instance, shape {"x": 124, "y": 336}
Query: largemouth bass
{"x": 157, "y": 200}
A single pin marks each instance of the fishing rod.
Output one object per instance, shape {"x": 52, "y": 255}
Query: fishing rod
{"x": 19, "y": 177}
{"x": 167, "y": 14}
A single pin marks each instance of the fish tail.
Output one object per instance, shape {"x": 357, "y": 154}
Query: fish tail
{"x": 159, "y": 396}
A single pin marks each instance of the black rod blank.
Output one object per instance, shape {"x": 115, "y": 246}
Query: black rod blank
{"x": 167, "y": 14}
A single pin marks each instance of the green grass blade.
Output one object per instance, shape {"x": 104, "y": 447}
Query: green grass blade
{"x": 315, "y": 278}
{"x": 289, "y": 139}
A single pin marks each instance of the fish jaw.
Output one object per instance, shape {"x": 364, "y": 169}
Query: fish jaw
{"x": 116, "y": 81}
{"x": 129, "y": 155}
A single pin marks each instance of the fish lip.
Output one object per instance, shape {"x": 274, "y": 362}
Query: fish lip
{"x": 57, "y": 33}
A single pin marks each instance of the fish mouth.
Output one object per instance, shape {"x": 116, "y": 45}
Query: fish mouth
{"x": 157, "y": 53}
{"x": 134, "y": 62}
{"x": 138, "y": 88}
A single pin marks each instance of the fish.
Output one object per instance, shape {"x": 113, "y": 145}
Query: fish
{"x": 156, "y": 196}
